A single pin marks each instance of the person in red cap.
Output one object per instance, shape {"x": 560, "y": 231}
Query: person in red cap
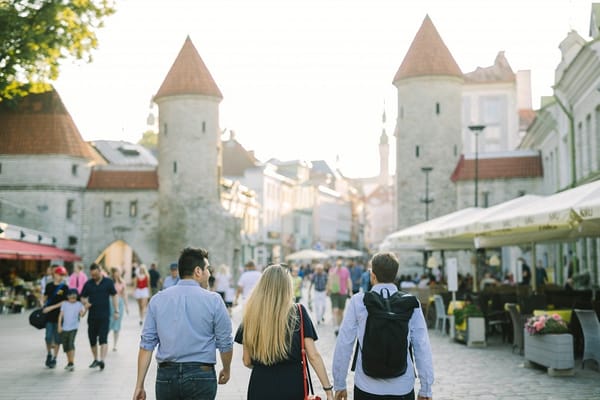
{"x": 54, "y": 294}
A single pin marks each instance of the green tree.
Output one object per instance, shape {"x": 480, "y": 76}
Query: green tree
{"x": 149, "y": 140}
{"x": 35, "y": 35}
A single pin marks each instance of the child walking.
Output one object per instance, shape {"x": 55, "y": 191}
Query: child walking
{"x": 68, "y": 322}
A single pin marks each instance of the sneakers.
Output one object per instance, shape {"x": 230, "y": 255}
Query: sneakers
{"x": 70, "y": 367}
{"x": 101, "y": 365}
{"x": 94, "y": 364}
{"x": 48, "y": 360}
{"x": 52, "y": 363}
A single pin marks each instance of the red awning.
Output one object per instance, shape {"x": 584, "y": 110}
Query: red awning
{"x": 15, "y": 250}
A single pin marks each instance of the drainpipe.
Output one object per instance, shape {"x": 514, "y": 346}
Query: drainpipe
{"x": 571, "y": 138}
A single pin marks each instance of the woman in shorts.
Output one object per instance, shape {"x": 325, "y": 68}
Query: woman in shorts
{"x": 141, "y": 283}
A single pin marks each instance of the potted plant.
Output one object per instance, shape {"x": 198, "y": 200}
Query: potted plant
{"x": 549, "y": 343}
{"x": 470, "y": 325}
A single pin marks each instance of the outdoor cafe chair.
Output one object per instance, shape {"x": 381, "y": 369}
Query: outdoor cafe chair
{"x": 591, "y": 335}
{"x": 518, "y": 327}
{"x": 440, "y": 313}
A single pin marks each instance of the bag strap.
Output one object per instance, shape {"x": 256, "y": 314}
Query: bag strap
{"x": 53, "y": 294}
{"x": 305, "y": 371}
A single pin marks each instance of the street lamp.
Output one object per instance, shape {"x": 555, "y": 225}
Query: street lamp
{"x": 427, "y": 200}
{"x": 476, "y": 129}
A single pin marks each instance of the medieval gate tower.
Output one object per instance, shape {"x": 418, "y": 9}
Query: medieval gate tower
{"x": 189, "y": 163}
{"x": 428, "y": 128}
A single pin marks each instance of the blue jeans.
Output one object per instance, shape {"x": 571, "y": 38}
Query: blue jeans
{"x": 52, "y": 336}
{"x": 179, "y": 381}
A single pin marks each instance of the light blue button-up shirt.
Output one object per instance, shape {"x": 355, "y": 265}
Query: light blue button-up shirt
{"x": 353, "y": 327}
{"x": 188, "y": 324}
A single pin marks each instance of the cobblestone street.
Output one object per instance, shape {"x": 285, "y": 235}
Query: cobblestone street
{"x": 492, "y": 372}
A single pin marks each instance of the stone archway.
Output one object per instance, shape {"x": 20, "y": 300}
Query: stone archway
{"x": 121, "y": 255}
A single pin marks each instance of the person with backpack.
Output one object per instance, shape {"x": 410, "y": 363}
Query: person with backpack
{"x": 391, "y": 338}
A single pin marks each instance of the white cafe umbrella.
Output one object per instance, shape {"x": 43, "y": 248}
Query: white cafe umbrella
{"x": 307, "y": 254}
{"x": 352, "y": 253}
{"x": 549, "y": 218}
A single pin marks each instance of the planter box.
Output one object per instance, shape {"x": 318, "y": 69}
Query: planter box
{"x": 554, "y": 351}
{"x": 474, "y": 334}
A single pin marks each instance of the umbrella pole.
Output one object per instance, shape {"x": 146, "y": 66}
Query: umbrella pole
{"x": 533, "y": 268}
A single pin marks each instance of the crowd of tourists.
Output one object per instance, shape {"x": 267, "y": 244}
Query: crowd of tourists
{"x": 186, "y": 320}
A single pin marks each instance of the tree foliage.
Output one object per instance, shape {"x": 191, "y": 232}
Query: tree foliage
{"x": 35, "y": 35}
{"x": 149, "y": 140}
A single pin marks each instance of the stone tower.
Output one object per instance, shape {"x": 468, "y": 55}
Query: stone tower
{"x": 189, "y": 163}
{"x": 384, "y": 155}
{"x": 428, "y": 128}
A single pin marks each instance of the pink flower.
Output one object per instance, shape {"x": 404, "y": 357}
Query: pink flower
{"x": 556, "y": 317}
{"x": 540, "y": 324}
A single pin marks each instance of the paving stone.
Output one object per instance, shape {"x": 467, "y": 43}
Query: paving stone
{"x": 492, "y": 372}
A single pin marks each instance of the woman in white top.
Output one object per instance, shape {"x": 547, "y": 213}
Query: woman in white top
{"x": 223, "y": 285}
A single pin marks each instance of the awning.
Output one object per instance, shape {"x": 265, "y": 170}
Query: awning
{"x": 16, "y": 250}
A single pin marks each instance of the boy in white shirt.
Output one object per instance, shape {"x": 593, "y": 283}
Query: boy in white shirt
{"x": 68, "y": 322}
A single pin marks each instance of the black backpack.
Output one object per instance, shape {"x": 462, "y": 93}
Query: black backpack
{"x": 385, "y": 343}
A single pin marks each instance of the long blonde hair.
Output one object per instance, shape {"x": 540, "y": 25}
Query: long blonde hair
{"x": 270, "y": 317}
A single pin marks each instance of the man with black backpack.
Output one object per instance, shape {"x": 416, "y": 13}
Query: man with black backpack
{"x": 386, "y": 325}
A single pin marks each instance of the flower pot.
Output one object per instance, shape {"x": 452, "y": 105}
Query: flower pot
{"x": 472, "y": 333}
{"x": 553, "y": 351}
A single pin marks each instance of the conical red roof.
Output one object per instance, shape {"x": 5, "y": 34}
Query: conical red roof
{"x": 427, "y": 55}
{"x": 40, "y": 124}
{"x": 188, "y": 75}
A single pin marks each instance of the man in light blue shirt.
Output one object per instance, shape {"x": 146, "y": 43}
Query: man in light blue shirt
{"x": 173, "y": 278}
{"x": 188, "y": 324}
{"x": 384, "y": 269}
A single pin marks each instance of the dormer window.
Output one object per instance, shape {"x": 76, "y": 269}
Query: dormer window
{"x": 129, "y": 150}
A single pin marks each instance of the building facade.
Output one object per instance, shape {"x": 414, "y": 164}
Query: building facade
{"x": 98, "y": 203}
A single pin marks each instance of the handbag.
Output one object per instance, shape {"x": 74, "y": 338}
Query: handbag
{"x": 308, "y": 394}
{"x": 37, "y": 318}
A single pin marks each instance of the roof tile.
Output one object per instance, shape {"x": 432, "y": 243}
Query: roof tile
{"x": 188, "y": 75}
{"x": 427, "y": 55}
{"x": 101, "y": 179}
{"x": 40, "y": 124}
{"x": 498, "y": 168}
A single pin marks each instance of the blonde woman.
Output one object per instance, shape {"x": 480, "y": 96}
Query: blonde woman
{"x": 270, "y": 335}
{"x": 141, "y": 283}
{"x": 121, "y": 288}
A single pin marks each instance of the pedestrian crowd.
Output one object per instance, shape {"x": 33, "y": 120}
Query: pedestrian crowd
{"x": 186, "y": 320}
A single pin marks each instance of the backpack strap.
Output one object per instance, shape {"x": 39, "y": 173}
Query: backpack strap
{"x": 49, "y": 300}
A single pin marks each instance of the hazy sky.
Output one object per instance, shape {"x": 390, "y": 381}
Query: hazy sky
{"x": 303, "y": 78}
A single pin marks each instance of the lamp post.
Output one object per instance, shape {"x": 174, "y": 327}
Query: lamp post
{"x": 427, "y": 200}
{"x": 476, "y": 129}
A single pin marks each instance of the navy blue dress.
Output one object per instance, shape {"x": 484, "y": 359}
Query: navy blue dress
{"x": 282, "y": 380}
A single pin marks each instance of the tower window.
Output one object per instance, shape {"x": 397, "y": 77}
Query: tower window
{"x": 133, "y": 208}
{"x": 70, "y": 208}
{"x": 486, "y": 199}
{"x": 417, "y": 151}
{"x": 401, "y": 112}
{"x": 437, "y": 108}
{"x": 455, "y": 150}
{"x": 203, "y": 126}
{"x": 74, "y": 169}
{"x": 165, "y": 128}
{"x": 107, "y": 209}
{"x": 0, "y": 168}
{"x": 174, "y": 167}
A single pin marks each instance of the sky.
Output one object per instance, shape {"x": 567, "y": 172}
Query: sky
{"x": 303, "y": 79}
